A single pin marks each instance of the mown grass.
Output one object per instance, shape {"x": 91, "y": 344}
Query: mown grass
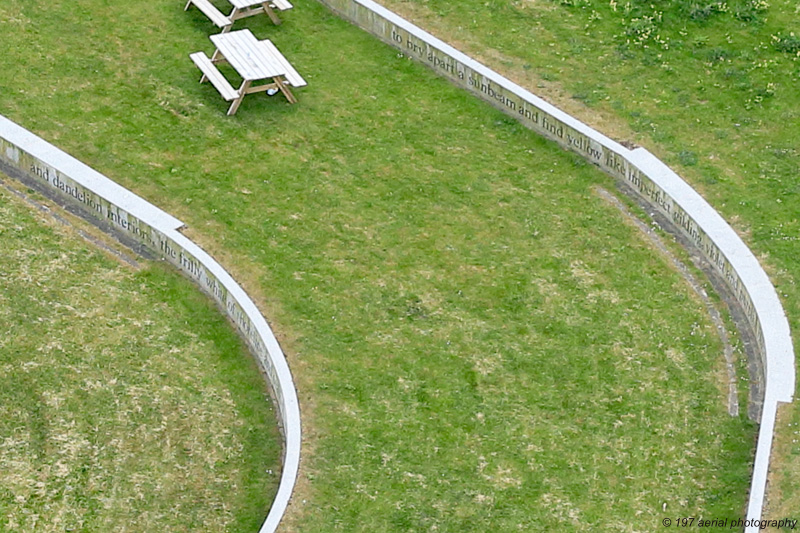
{"x": 127, "y": 404}
{"x": 479, "y": 341}
{"x": 710, "y": 87}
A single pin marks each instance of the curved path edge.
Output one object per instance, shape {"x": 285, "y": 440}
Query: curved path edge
{"x": 60, "y": 176}
{"x": 649, "y": 180}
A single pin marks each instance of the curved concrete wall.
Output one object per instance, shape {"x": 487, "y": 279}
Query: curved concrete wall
{"x": 44, "y": 167}
{"x": 649, "y": 179}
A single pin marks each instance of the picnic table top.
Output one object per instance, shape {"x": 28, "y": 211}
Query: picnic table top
{"x": 251, "y": 58}
{"x": 244, "y": 4}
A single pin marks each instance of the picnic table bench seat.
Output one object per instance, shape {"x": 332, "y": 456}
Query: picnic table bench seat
{"x": 283, "y": 5}
{"x": 215, "y": 15}
{"x": 212, "y": 74}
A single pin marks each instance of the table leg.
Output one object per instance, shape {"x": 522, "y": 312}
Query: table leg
{"x": 285, "y": 89}
{"x": 271, "y": 12}
{"x": 238, "y": 100}
{"x": 217, "y": 57}
{"x": 203, "y": 78}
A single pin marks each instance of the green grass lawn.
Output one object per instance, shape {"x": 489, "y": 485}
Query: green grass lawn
{"x": 127, "y": 401}
{"x": 479, "y": 341}
{"x": 712, "y": 88}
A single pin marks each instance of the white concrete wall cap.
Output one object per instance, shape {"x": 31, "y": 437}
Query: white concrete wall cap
{"x": 495, "y": 77}
{"x": 761, "y": 464}
{"x": 86, "y": 176}
{"x": 291, "y": 406}
{"x": 248, "y": 307}
{"x": 780, "y": 368}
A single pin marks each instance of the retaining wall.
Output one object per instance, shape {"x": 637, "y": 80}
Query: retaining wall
{"x": 56, "y": 174}
{"x": 650, "y": 180}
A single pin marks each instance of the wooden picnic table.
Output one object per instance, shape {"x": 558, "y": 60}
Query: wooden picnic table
{"x": 254, "y": 61}
{"x": 241, "y": 9}
{"x": 248, "y": 8}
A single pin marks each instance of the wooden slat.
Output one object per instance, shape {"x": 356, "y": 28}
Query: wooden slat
{"x": 214, "y": 14}
{"x": 245, "y": 54}
{"x": 292, "y": 76}
{"x": 283, "y": 5}
{"x": 214, "y": 76}
{"x": 244, "y": 4}
{"x": 248, "y": 8}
